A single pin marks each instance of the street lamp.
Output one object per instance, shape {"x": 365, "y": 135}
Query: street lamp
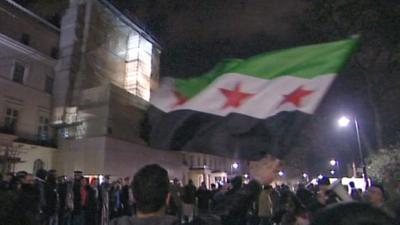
{"x": 234, "y": 168}
{"x": 332, "y": 162}
{"x": 235, "y": 165}
{"x": 344, "y": 122}
{"x": 281, "y": 173}
{"x": 332, "y": 172}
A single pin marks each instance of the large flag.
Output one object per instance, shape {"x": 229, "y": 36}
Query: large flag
{"x": 246, "y": 108}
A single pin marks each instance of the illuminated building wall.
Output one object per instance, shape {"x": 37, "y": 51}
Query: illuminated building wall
{"x": 113, "y": 66}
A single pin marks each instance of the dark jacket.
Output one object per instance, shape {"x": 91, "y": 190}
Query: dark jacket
{"x": 189, "y": 194}
{"x": 77, "y": 197}
{"x": 51, "y": 197}
{"x": 154, "y": 220}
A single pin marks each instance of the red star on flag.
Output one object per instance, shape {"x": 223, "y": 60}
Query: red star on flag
{"x": 180, "y": 99}
{"x": 296, "y": 96}
{"x": 234, "y": 97}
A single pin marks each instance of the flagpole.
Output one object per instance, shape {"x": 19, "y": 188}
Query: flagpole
{"x": 364, "y": 167}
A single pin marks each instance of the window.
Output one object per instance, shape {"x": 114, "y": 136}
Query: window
{"x": 49, "y": 85}
{"x": 54, "y": 53}
{"x": 19, "y": 72}
{"x": 10, "y": 120}
{"x": 25, "y": 38}
{"x": 138, "y": 66}
{"x": 191, "y": 161}
{"x": 38, "y": 164}
{"x": 43, "y": 128}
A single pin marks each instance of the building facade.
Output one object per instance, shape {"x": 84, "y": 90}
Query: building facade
{"x": 28, "y": 55}
{"x": 87, "y": 85}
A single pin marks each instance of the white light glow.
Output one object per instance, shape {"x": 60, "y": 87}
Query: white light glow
{"x": 281, "y": 173}
{"x": 138, "y": 66}
{"x": 235, "y": 165}
{"x": 343, "y": 121}
{"x": 305, "y": 175}
{"x": 332, "y": 162}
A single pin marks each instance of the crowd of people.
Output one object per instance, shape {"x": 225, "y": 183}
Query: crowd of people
{"x": 150, "y": 198}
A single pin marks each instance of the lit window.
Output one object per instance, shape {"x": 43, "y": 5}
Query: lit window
{"x": 138, "y": 66}
{"x": 43, "y": 128}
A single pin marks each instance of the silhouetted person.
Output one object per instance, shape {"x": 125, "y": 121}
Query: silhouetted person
{"x": 151, "y": 193}
{"x": 203, "y": 198}
{"x": 265, "y": 207}
{"x": 125, "y": 198}
{"x": 376, "y": 196}
{"x": 352, "y": 213}
{"x": 51, "y": 200}
{"x": 354, "y": 194}
{"x": 189, "y": 201}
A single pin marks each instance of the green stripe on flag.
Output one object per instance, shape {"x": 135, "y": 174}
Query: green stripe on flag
{"x": 305, "y": 62}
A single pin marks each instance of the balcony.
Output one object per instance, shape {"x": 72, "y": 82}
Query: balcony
{"x": 52, "y": 143}
{"x": 7, "y": 130}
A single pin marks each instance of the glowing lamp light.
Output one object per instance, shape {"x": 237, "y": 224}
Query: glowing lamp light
{"x": 320, "y": 176}
{"x": 343, "y": 121}
{"x": 246, "y": 176}
{"x": 332, "y": 162}
{"x": 281, "y": 173}
{"x": 332, "y": 172}
{"x": 305, "y": 175}
{"x": 235, "y": 165}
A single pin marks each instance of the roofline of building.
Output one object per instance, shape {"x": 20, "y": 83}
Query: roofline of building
{"x": 33, "y": 53}
{"x": 30, "y": 13}
{"x": 131, "y": 23}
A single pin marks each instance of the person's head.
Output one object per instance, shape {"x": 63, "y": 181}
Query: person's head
{"x": 376, "y": 195}
{"x": 351, "y": 184}
{"x": 236, "y": 182}
{"x": 254, "y": 188}
{"x": 51, "y": 178}
{"x": 266, "y": 170}
{"x": 127, "y": 180}
{"x": 323, "y": 183}
{"x": 151, "y": 189}
{"x": 78, "y": 175}
{"x": 106, "y": 179}
{"x": 268, "y": 187}
{"x": 84, "y": 182}
{"x": 42, "y": 174}
{"x": 213, "y": 186}
{"x": 61, "y": 179}
{"x": 27, "y": 179}
{"x": 8, "y": 177}
{"x": 352, "y": 213}
{"x": 190, "y": 182}
{"x": 94, "y": 182}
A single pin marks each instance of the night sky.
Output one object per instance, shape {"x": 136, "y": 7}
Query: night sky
{"x": 195, "y": 35}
